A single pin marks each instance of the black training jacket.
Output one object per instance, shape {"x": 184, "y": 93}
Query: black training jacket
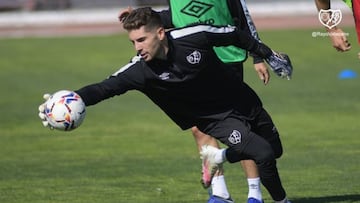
{"x": 193, "y": 87}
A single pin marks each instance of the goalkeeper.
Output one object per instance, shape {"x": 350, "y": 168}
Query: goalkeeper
{"x": 231, "y": 12}
{"x": 179, "y": 71}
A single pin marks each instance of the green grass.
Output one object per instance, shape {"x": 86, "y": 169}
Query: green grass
{"x": 127, "y": 150}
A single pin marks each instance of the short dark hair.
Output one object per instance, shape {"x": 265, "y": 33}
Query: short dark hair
{"x": 142, "y": 17}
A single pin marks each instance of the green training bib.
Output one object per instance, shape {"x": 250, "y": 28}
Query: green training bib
{"x": 213, "y": 12}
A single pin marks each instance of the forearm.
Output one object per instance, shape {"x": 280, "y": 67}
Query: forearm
{"x": 225, "y": 36}
{"x": 257, "y": 48}
{"x": 256, "y": 58}
{"x": 95, "y": 93}
{"x": 322, "y": 4}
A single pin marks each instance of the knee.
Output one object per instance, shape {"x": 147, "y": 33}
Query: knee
{"x": 199, "y": 135}
{"x": 265, "y": 155}
{"x": 278, "y": 153}
{"x": 195, "y": 131}
{"x": 277, "y": 148}
{"x": 202, "y": 138}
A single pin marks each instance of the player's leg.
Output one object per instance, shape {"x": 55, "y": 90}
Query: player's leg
{"x": 218, "y": 185}
{"x": 263, "y": 153}
{"x": 245, "y": 144}
{"x": 253, "y": 179}
{"x": 218, "y": 182}
{"x": 264, "y": 127}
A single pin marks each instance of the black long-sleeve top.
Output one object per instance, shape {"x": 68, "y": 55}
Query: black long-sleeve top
{"x": 193, "y": 87}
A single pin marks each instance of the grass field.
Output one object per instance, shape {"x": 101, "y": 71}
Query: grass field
{"x": 127, "y": 150}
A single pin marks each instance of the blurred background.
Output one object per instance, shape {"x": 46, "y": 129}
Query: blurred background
{"x": 36, "y": 5}
{"x": 20, "y": 18}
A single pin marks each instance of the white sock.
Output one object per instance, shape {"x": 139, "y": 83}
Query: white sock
{"x": 220, "y": 156}
{"x": 254, "y": 188}
{"x": 219, "y": 188}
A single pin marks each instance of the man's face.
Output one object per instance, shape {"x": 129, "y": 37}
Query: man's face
{"x": 147, "y": 42}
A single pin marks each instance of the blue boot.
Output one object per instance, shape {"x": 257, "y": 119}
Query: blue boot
{"x": 253, "y": 200}
{"x": 216, "y": 199}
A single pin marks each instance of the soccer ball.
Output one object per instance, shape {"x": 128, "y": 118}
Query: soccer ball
{"x": 65, "y": 110}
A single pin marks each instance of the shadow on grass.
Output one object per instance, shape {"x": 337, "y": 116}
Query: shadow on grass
{"x": 327, "y": 199}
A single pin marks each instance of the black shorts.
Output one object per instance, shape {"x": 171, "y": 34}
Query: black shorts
{"x": 255, "y": 138}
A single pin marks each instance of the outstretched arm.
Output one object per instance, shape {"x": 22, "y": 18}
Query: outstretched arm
{"x": 230, "y": 35}
{"x": 259, "y": 65}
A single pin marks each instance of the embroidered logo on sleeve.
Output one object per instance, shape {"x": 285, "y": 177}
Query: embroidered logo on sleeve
{"x": 194, "y": 57}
